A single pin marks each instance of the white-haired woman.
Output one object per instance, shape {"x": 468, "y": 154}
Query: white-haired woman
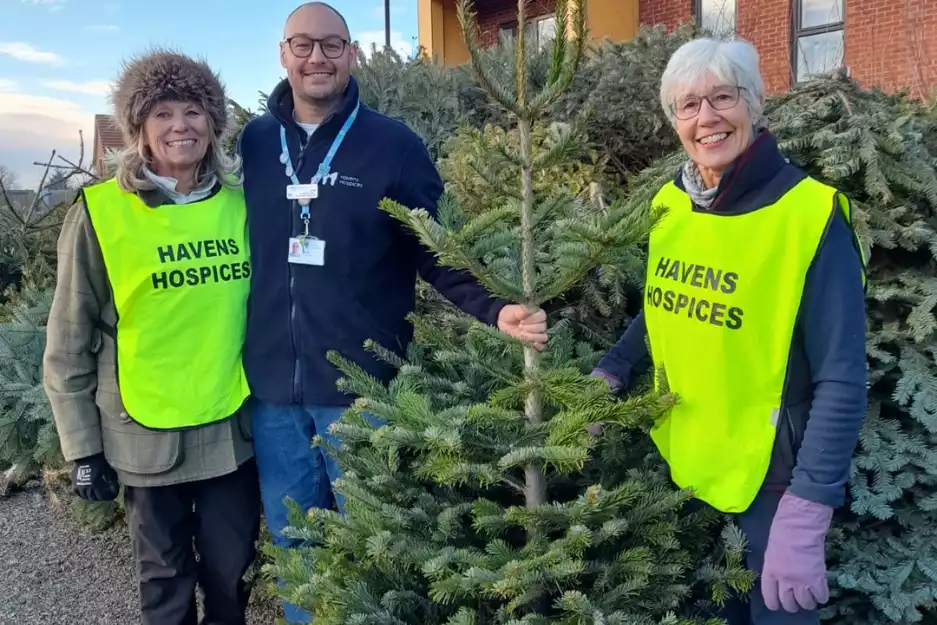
{"x": 754, "y": 308}
{"x": 143, "y": 357}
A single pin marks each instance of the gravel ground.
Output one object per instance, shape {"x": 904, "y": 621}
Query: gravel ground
{"x": 54, "y": 572}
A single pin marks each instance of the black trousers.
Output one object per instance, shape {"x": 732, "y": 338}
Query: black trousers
{"x": 218, "y": 518}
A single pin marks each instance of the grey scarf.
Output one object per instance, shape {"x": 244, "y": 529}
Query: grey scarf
{"x": 693, "y": 183}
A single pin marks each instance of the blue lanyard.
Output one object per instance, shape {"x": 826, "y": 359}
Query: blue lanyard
{"x": 324, "y": 167}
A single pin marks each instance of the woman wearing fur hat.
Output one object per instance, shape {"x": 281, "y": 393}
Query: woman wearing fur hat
{"x": 143, "y": 357}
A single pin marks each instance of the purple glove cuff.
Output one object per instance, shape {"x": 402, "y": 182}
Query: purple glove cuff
{"x": 792, "y": 506}
{"x": 613, "y": 382}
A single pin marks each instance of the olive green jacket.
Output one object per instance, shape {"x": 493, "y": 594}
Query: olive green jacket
{"x": 80, "y": 379}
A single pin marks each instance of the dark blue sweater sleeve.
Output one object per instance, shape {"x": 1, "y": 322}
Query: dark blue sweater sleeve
{"x": 625, "y": 356}
{"x": 421, "y": 187}
{"x": 833, "y": 321}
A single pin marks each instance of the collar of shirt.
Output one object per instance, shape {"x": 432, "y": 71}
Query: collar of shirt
{"x": 167, "y": 185}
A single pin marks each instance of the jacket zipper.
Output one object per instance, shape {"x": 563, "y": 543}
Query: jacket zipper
{"x": 297, "y": 390}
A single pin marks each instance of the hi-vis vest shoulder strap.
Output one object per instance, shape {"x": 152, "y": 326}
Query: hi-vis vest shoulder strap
{"x": 179, "y": 275}
{"x": 721, "y": 301}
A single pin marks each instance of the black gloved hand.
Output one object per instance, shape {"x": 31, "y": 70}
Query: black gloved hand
{"x": 93, "y": 479}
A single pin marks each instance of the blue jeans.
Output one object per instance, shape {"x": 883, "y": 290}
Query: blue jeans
{"x": 289, "y": 466}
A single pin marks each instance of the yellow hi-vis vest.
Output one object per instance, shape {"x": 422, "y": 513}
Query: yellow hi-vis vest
{"x": 721, "y": 300}
{"x": 179, "y": 276}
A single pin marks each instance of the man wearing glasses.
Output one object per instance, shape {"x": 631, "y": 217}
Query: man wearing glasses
{"x": 329, "y": 268}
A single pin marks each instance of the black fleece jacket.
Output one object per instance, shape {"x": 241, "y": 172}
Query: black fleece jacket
{"x": 366, "y": 287}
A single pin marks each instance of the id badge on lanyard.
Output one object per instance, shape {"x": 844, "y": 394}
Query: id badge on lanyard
{"x": 305, "y": 249}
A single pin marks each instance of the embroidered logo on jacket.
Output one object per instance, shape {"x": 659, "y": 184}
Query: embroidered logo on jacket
{"x": 342, "y": 179}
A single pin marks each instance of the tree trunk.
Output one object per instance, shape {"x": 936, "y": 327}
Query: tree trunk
{"x": 535, "y": 489}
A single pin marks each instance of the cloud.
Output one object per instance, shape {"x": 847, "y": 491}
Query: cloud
{"x": 31, "y": 126}
{"x": 93, "y": 87}
{"x": 54, "y": 5}
{"x": 102, "y": 28}
{"x": 27, "y": 53}
{"x": 7, "y": 85}
{"x": 376, "y": 37}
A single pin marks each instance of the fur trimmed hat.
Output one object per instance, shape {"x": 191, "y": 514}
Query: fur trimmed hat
{"x": 162, "y": 75}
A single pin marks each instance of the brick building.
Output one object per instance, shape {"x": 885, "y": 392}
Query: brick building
{"x": 107, "y": 137}
{"x": 441, "y": 36}
{"x": 883, "y": 43}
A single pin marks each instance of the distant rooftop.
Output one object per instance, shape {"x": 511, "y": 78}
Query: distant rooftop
{"x": 107, "y": 132}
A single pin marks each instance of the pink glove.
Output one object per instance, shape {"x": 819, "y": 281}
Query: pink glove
{"x": 794, "y": 573}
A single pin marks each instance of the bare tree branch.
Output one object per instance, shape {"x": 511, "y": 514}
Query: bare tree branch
{"x": 7, "y": 177}
{"x": 30, "y": 219}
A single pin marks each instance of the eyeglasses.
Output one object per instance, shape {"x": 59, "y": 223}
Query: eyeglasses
{"x": 302, "y": 46}
{"x": 720, "y": 98}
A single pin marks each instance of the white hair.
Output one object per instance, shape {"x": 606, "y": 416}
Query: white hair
{"x": 733, "y": 62}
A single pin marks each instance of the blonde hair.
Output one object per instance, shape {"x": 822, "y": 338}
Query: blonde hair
{"x": 128, "y": 164}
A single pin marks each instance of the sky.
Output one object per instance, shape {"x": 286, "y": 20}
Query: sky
{"x": 58, "y": 58}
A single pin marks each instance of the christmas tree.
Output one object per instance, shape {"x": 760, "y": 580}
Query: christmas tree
{"x": 490, "y": 482}
{"x": 28, "y": 440}
{"x": 881, "y": 150}
{"x": 620, "y": 85}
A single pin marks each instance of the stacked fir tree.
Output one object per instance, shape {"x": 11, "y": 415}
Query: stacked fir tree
{"x": 882, "y": 150}
{"x": 28, "y": 440}
{"x": 482, "y": 494}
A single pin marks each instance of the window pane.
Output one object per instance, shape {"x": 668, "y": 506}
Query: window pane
{"x": 537, "y": 32}
{"x": 547, "y": 30}
{"x": 718, "y": 17}
{"x": 819, "y": 53}
{"x": 506, "y": 34}
{"x": 820, "y": 12}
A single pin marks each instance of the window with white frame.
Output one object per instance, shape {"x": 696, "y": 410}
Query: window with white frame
{"x": 716, "y": 17}
{"x": 538, "y": 31}
{"x": 818, "y": 37}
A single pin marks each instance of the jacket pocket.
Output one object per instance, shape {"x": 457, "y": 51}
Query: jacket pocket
{"x": 132, "y": 448}
{"x": 788, "y": 439}
{"x": 97, "y": 341}
{"x": 360, "y": 325}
